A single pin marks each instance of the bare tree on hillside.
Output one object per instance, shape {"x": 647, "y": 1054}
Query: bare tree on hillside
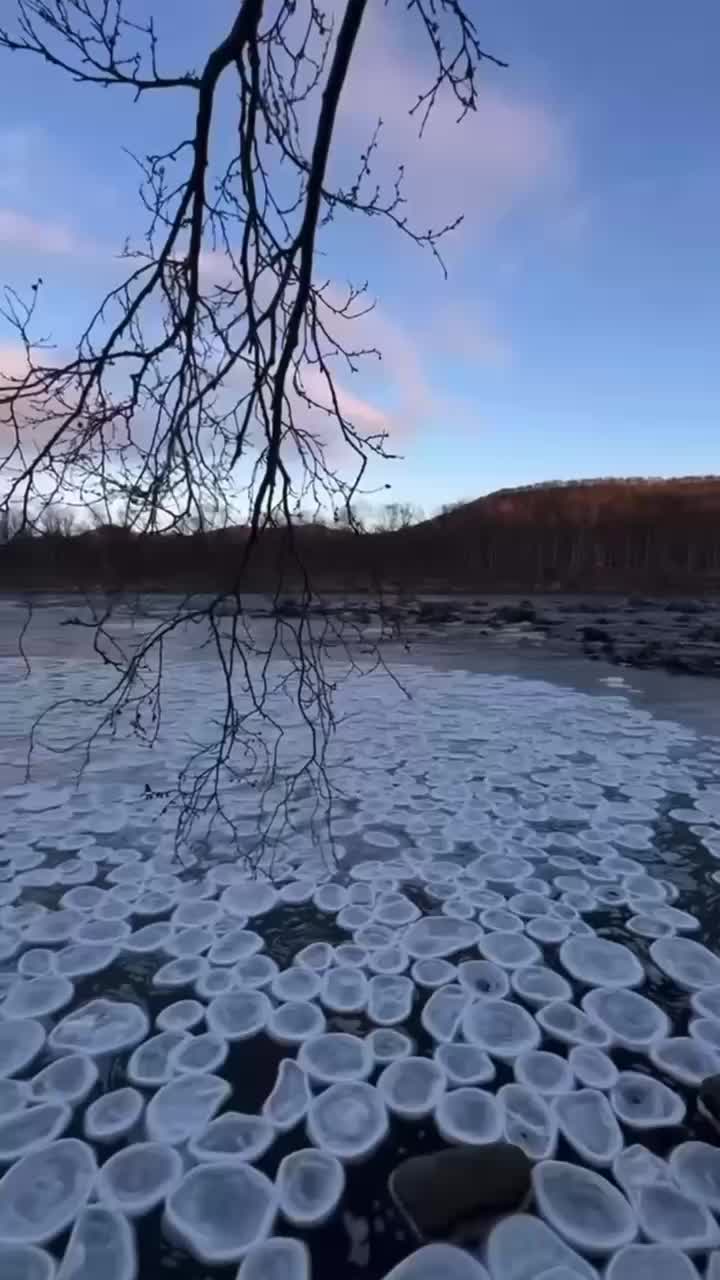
{"x": 207, "y": 380}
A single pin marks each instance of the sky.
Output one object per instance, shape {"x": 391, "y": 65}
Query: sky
{"x": 577, "y": 331}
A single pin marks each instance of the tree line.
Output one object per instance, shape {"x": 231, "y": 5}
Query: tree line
{"x": 611, "y": 534}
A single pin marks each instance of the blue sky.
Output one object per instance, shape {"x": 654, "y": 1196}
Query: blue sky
{"x": 577, "y": 333}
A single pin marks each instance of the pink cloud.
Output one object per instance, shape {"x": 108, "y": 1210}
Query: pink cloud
{"x": 20, "y": 231}
{"x": 512, "y": 148}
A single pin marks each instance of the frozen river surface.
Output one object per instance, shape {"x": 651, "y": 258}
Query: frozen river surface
{"x": 484, "y": 859}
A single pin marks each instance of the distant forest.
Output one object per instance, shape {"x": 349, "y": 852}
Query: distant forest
{"x": 602, "y": 535}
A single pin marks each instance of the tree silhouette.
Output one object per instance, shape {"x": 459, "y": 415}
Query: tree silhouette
{"x": 206, "y": 380}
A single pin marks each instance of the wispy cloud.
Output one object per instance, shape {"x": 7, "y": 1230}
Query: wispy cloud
{"x": 511, "y": 149}
{"x": 21, "y": 232}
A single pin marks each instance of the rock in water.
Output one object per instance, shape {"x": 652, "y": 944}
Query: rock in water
{"x": 448, "y": 1192}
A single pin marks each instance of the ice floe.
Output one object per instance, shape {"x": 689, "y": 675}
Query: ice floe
{"x": 309, "y": 1186}
{"x": 583, "y": 1207}
{"x": 349, "y": 1120}
{"x": 139, "y": 1177}
{"x": 219, "y": 1211}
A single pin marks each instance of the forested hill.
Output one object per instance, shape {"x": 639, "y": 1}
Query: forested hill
{"x": 604, "y": 535}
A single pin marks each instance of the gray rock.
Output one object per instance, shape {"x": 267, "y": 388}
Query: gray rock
{"x": 458, "y": 1194}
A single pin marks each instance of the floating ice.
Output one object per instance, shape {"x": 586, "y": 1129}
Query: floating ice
{"x": 583, "y": 1207}
{"x": 688, "y": 963}
{"x": 499, "y": 920}
{"x": 438, "y": 1262}
{"x": 589, "y": 1125}
{"x": 139, "y": 1177}
{"x": 695, "y": 1166}
{"x": 317, "y": 956}
{"x": 31, "y": 1129}
{"x": 20, "y": 1042}
{"x": 707, "y": 1002}
{"x": 297, "y": 891}
{"x": 464, "y": 1064}
{"x": 538, "y": 985}
{"x": 290, "y": 1097}
{"x": 632, "y": 1021}
{"x": 38, "y": 962}
{"x": 233, "y": 1136}
{"x": 392, "y": 959}
{"x": 433, "y": 973}
{"x": 637, "y": 1167}
{"x": 309, "y": 1185}
{"x": 238, "y": 1015}
{"x": 54, "y": 926}
{"x": 509, "y": 950}
{"x": 113, "y": 1115}
{"x": 600, "y": 963}
{"x": 372, "y": 936}
{"x": 387, "y": 1045}
{"x": 439, "y": 936}
{"x": 296, "y": 983}
{"x": 528, "y": 1121}
{"x": 25, "y": 1262}
{"x": 483, "y": 978}
{"x": 651, "y": 1262}
{"x": 546, "y": 929}
{"x": 592, "y": 1067}
{"x": 69, "y": 1079}
{"x": 198, "y": 1053}
{"x": 180, "y": 972}
{"x": 99, "y": 1027}
{"x": 335, "y": 1056}
{"x": 101, "y": 1244}
{"x": 500, "y": 1027}
{"x": 546, "y": 1073}
{"x": 236, "y": 944}
{"x": 642, "y": 1102}
{"x": 396, "y": 910}
{"x": 685, "y": 1059}
{"x": 43, "y": 1193}
{"x": 469, "y": 1116}
{"x": 348, "y": 954}
{"x": 183, "y": 1015}
{"x": 565, "y": 1022}
{"x": 279, "y": 1258}
{"x": 37, "y": 997}
{"x": 257, "y": 971}
{"x": 345, "y": 989}
{"x": 668, "y": 1216}
{"x": 443, "y": 1011}
{"x": 221, "y": 1210}
{"x": 150, "y": 1063}
{"x": 201, "y": 912}
{"x": 14, "y": 1095}
{"x": 390, "y": 999}
{"x": 184, "y": 1107}
{"x": 501, "y": 868}
{"x": 295, "y": 1021}
{"x": 215, "y": 982}
{"x": 149, "y": 938}
{"x": 249, "y": 898}
{"x": 521, "y": 1247}
{"x": 349, "y": 1120}
{"x": 102, "y": 931}
{"x": 707, "y": 1030}
{"x": 412, "y": 1086}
